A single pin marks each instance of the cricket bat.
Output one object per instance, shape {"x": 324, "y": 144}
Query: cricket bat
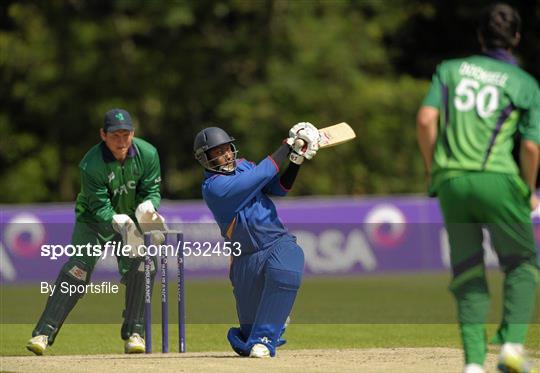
{"x": 333, "y": 135}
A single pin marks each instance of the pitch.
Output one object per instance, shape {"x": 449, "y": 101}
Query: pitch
{"x": 329, "y": 360}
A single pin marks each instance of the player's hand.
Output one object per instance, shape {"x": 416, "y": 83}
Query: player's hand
{"x": 131, "y": 237}
{"x": 296, "y": 158}
{"x": 301, "y": 149}
{"x": 309, "y": 149}
{"x": 304, "y": 139}
{"x": 121, "y": 221}
{"x": 293, "y": 132}
{"x": 534, "y": 201}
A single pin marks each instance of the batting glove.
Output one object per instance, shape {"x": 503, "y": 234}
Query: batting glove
{"x": 301, "y": 126}
{"x": 304, "y": 139}
{"x": 303, "y": 146}
{"x": 296, "y": 158}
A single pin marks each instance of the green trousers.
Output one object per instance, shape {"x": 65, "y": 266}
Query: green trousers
{"x": 500, "y": 204}
{"x": 78, "y": 271}
{"x": 84, "y": 233}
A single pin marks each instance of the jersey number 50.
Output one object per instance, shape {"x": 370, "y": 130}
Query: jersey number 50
{"x": 469, "y": 95}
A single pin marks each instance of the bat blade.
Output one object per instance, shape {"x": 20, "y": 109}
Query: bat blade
{"x": 330, "y": 136}
{"x": 335, "y": 135}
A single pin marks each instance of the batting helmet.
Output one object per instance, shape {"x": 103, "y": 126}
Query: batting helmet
{"x": 209, "y": 138}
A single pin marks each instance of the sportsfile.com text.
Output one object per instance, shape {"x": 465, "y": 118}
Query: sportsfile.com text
{"x": 116, "y": 248}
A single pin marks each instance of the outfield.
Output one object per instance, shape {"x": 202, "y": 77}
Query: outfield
{"x": 393, "y": 311}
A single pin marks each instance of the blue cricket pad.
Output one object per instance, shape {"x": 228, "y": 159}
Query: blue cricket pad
{"x": 276, "y": 303}
{"x": 281, "y": 341}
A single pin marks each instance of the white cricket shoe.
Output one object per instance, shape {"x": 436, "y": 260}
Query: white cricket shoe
{"x": 38, "y": 344}
{"x": 513, "y": 359}
{"x": 259, "y": 351}
{"x": 474, "y": 368}
{"x": 134, "y": 344}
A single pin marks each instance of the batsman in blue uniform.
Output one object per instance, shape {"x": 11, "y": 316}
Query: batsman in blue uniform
{"x": 267, "y": 274}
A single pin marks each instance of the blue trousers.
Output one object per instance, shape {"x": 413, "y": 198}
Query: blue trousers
{"x": 265, "y": 286}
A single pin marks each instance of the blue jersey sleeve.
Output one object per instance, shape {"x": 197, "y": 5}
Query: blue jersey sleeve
{"x": 229, "y": 193}
{"x": 275, "y": 188}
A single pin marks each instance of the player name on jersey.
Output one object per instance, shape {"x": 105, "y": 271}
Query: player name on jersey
{"x": 489, "y": 77}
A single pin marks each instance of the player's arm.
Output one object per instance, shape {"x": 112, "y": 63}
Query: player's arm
{"x": 427, "y": 120}
{"x": 529, "y": 162}
{"x": 281, "y": 184}
{"x": 148, "y": 188}
{"x": 426, "y": 133}
{"x": 296, "y": 152}
{"x": 289, "y": 176}
{"x": 243, "y": 186}
{"x": 529, "y": 151}
{"x": 97, "y": 195}
{"x": 100, "y": 206}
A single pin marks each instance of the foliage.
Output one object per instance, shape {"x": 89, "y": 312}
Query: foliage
{"x": 253, "y": 67}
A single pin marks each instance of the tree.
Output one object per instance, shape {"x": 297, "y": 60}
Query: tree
{"x": 253, "y": 67}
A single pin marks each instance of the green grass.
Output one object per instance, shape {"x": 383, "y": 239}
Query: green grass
{"x": 80, "y": 339}
{"x": 374, "y": 311}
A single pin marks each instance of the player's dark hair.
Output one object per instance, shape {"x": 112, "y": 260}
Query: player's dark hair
{"x": 499, "y": 25}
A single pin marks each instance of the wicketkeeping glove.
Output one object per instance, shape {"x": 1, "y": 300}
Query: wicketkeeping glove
{"x": 122, "y": 222}
{"x": 131, "y": 237}
{"x": 146, "y": 207}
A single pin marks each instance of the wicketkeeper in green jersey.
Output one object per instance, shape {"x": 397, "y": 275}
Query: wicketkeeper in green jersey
{"x": 466, "y": 128}
{"x": 120, "y": 184}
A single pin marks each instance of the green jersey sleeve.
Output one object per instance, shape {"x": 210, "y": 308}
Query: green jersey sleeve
{"x": 150, "y": 182}
{"x": 433, "y": 97}
{"x": 98, "y": 202}
{"x": 529, "y": 126}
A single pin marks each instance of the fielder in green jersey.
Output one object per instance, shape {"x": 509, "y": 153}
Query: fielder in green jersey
{"x": 120, "y": 181}
{"x": 466, "y": 129}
